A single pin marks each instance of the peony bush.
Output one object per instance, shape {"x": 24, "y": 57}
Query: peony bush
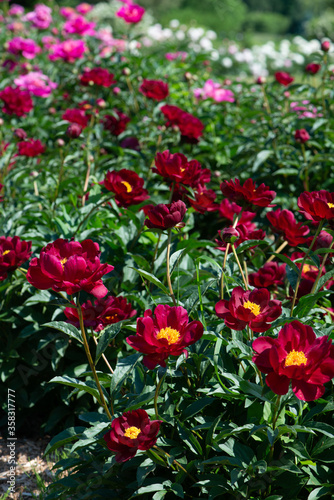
{"x": 165, "y": 260}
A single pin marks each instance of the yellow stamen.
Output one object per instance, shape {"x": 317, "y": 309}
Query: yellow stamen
{"x": 295, "y": 358}
{"x": 255, "y": 308}
{"x": 111, "y": 318}
{"x": 132, "y": 432}
{"x": 331, "y": 205}
{"x": 170, "y": 334}
{"x": 307, "y": 268}
{"x": 127, "y": 185}
{"x": 6, "y": 252}
{"x": 63, "y": 261}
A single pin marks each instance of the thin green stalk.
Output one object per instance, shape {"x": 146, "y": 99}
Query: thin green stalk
{"x": 302, "y": 265}
{"x": 280, "y": 248}
{"x": 156, "y": 397}
{"x": 315, "y": 284}
{"x": 90, "y": 360}
{"x": 200, "y": 296}
{"x": 306, "y": 179}
{"x": 97, "y": 205}
{"x": 239, "y": 265}
{"x": 168, "y": 268}
{"x": 176, "y": 463}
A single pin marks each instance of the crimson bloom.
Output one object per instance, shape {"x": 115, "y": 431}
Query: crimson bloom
{"x": 102, "y": 313}
{"x": 117, "y": 123}
{"x": 248, "y": 194}
{"x": 204, "y": 200}
{"x": 190, "y": 126}
{"x": 131, "y": 432}
{"x": 284, "y": 78}
{"x": 166, "y": 334}
{"x": 69, "y": 266}
{"x": 165, "y": 216}
{"x": 97, "y": 76}
{"x": 270, "y": 274}
{"x": 127, "y": 186}
{"x": 284, "y": 222}
{"x": 154, "y": 89}
{"x": 313, "y": 68}
{"x": 16, "y": 102}
{"x": 317, "y": 205}
{"x": 171, "y": 166}
{"x": 75, "y": 115}
{"x": 296, "y": 355}
{"x": 30, "y": 147}
{"x": 13, "y": 253}
{"x": 227, "y": 210}
{"x": 253, "y": 308}
{"x": 302, "y": 136}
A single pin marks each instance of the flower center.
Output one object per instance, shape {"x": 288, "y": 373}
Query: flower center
{"x": 254, "y": 308}
{"x": 5, "y": 252}
{"x": 112, "y": 317}
{"x": 295, "y": 358}
{"x": 127, "y": 185}
{"x": 331, "y": 205}
{"x": 63, "y": 261}
{"x": 307, "y": 268}
{"x": 170, "y": 334}
{"x": 132, "y": 432}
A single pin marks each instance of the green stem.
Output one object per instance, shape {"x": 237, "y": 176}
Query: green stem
{"x": 200, "y": 296}
{"x": 306, "y": 179}
{"x": 315, "y": 284}
{"x": 97, "y": 205}
{"x": 168, "y": 268}
{"x": 156, "y": 397}
{"x": 90, "y": 360}
{"x": 302, "y": 265}
{"x": 280, "y": 248}
{"x": 239, "y": 265}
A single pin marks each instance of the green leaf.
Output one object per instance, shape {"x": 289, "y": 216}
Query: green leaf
{"x": 323, "y": 280}
{"x": 320, "y": 492}
{"x": 152, "y": 279}
{"x": 307, "y": 302}
{"x": 175, "y": 259}
{"x": 196, "y": 407}
{"x": 63, "y": 438}
{"x": 78, "y": 384}
{"x": 188, "y": 437}
{"x": 288, "y": 261}
{"x": 123, "y": 368}
{"x": 251, "y": 243}
{"x": 109, "y": 333}
{"x": 67, "y": 328}
{"x": 261, "y": 157}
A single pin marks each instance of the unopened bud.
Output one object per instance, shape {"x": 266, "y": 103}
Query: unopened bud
{"x": 20, "y": 133}
{"x": 229, "y": 235}
{"x": 326, "y": 45}
{"x": 60, "y": 143}
{"x": 74, "y": 130}
{"x": 126, "y": 71}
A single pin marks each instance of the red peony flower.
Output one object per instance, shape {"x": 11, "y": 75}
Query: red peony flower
{"x": 248, "y": 194}
{"x": 13, "y": 253}
{"x": 102, "y": 313}
{"x": 154, "y": 89}
{"x": 268, "y": 275}
{"x": 76, "y": 115}
{"x": 97, "y": 76}
{"x": 130, "y": 143}
{"x": 166, "y": 334}
{"x": 30, "y": 147}
{"x": 131, "y": 432}
{"x": 204, "y": 200}
{"x": 166, "y": 216}
{"x": 284, "y": 78}
{"x": 253, "y": 308}
{"x": 302, "y": 136}
{"x": 116, "y": 124}
{"x": 313, "y": 68}
{"x": 190, "y": 126}
{"x": 284, "y": 222}
{"x": 69, "y": 266}
{"x": 127, "y": 186}
{"x": 296, "y": 355}
{"x": 16, "y": 102}
{"x": 317, "y": 205}
{"x": 171, "y": 166}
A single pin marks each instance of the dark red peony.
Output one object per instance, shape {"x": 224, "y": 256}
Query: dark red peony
{"x": 116, "y": 123}
{"x": 166, "y": 334}
{"x": 102, "y": 313}
{"x": 176, "y": 167}
{"x": 166, "y": 216}
{"x": 248, "y": 194}
{"x": 268, "y": 275}
{"x": 127, "y": 186}
{"x": 30, "y": 147}
{"x": 16, "y": 102}
{"x": 13, "y": 253}
{"x": 69, "y": 266}
{"x": 313, "y": 68}
{"x": 97, "y": 76}
{"x": 76, "y": 115}
{"x": 317, "y": 205}
{"x": 284, "y": 222}
{"x": 131, "y": 432}
{"x": 228, "y": 210}
{"x": 154, "y": 89}
{"x": 253, "y": 308}
{"x": 302, "y": 136}
{"x": 190, "y": 126}
{"x": 204, "y": 200}
{"x": 284, "y": 78}
{"x": 296, "y": 355}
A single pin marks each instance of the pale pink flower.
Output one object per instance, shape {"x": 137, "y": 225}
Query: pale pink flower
{"x": 49, "y": 40}
{"x": 69, "y": 50}
{"x": 16, "y": 10}
{"x": 67, "y": 12}
{"x": 79, "y": 26}
{"x": 23, "y": 46}
{"x": 171, "y": 56}
{"x": 214, "y": 91}
{"x": 84, "y": 8}
{"x": 40, "y": 17}
{"x": 36, "y": 83}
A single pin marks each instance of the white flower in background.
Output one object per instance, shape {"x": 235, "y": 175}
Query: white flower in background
{"x": 227, "y": 62}
{"x": 180, "y": 35}
{"x": 174, "y": 23}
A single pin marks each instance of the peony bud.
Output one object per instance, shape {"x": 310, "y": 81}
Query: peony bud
{"x": 20, "y": 133}
{"x": 302, "y": 136}
{"x": 229, "y": 235}
{"x": 325, "y": 46}
{"x": 74, "y": 130}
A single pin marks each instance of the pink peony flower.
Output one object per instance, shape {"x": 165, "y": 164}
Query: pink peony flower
{"x": 23, "y": 46}
{"x": 79, "y": 26}
{"x": 171, "y": 56}
{"x": 69, "y": 50}
{"x": 36, "y": 83}
{"x": 16, "y": 10}
{"x": 131, "y": 12}
{"x": 40, "y": 17}
{"x": 84, "y": 8}
{"x": 214, "y": 91}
